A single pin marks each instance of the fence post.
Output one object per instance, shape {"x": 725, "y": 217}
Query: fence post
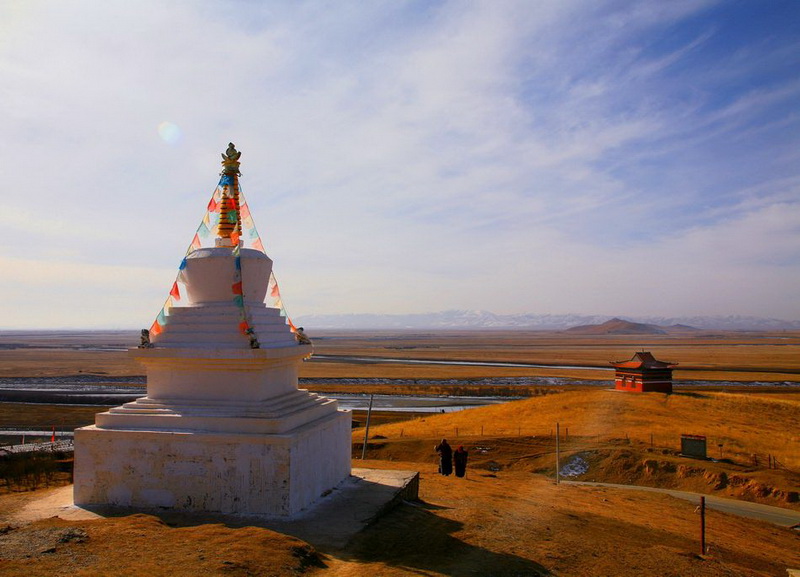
{"x": 702, "y": 525}
{"x": 366, "y": 431}
{"x": 558, "y": 481}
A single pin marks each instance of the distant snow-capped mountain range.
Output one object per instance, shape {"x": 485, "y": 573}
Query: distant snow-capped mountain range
{"x": 470, "y": 319}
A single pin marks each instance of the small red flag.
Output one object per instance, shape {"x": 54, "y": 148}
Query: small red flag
{"x": 53, "y": 437}
{"x": 244, "y": 211}
{"x": 213, "y": 205}
{"x": 243, "y": 326}
{"x": 155, "y": 329}
{"x": 235, "y": 236}
{"x": 237, "y": 288}
{"x": 196, "y": 242}
{"x": 275, "y": 292}
{"x": 175, "y": 292}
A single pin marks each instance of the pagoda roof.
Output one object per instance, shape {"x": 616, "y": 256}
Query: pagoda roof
{"x": 643, "y": 360}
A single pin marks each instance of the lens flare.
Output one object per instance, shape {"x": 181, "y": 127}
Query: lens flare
{"x": 169, "y": 132}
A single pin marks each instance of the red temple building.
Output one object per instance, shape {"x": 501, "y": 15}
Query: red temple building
{"x": 643, "y": 374}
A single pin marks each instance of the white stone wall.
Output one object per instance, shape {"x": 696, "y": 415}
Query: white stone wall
{"x": 217, "y": 472}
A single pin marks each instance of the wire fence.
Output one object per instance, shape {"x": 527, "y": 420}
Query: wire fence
{"x": 573, "y": 441}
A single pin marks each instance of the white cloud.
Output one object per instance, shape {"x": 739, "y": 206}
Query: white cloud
{"x": 397, "y": 157}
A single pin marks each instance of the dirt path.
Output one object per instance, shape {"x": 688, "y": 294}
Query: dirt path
{"x": 767, "y": 513}
{"x": 55, "y": 502}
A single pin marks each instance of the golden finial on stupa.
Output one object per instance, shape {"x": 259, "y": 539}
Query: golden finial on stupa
{"x": 230, "y": 160}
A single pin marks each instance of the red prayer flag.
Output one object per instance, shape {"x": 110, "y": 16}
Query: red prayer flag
{"x": 235, "y": 236}
{"x": 175, "y": 292}
{"x": 155, "y": 329}
{"x": 196, "y": 242}
{"x": 291, "y": 325}
{"x": 237, "y": 288}
{"x": 275, "y": 292}
{"x": 243, "y": 326}
{"x": 53, "y": 438}
{"x": 244, "y": 210}
{"x": 213, "y": 206}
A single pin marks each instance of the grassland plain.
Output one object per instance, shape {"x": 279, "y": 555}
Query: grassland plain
{"x": 714, "y": 356}
{"x": 504, "y": 523}
{"x": 507, "y": 517}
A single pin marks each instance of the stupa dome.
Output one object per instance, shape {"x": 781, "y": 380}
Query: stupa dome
{"x": 208, "y": 273}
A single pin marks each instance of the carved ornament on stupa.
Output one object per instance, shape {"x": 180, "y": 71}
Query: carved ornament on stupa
{"x": 230, "y": 160}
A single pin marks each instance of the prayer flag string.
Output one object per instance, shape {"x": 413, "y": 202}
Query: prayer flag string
{"x": 244, "y": 235}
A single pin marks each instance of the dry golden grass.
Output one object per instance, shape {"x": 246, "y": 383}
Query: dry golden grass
{"x": 739, "y": 353}
{"x": 505, "y": 524}
{"x": 742, "y": 423}
{"x": 63, "y": 417}
{"x": 510, "y": 522}
{"x": 56, "y": 363}
{"x": 144, "y": 545}
{"x": 514, "y": 523}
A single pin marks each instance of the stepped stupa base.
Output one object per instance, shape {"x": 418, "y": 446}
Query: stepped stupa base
{"x": 224, "y": 472}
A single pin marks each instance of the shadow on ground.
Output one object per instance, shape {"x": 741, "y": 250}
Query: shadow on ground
{"x": 414, "y": 538}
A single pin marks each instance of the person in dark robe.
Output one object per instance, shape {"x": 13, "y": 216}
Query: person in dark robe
{"x": 445, "y": 457}
{"x": 460, "y": 461}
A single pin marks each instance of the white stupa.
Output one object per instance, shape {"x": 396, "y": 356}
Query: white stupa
{"x": 223, "y": 427}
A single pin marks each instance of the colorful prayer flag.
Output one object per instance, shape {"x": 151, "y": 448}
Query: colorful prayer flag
{"x": 155, "y": 329}
{"x": 235, "y": 236}
{"x": 175, "y": 292}
{"x": 275, "y": 292}
{"x": 258, "y": 246}
{"x": 196, "y": 242}
{"x": 238, "y": 300}
{"x": 243, "y": 326}
{"x": 245, "y": 210}
{"x": 237, "y": 288}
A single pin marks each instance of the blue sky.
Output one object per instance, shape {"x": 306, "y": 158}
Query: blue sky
{"x": 598, "y": 157}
